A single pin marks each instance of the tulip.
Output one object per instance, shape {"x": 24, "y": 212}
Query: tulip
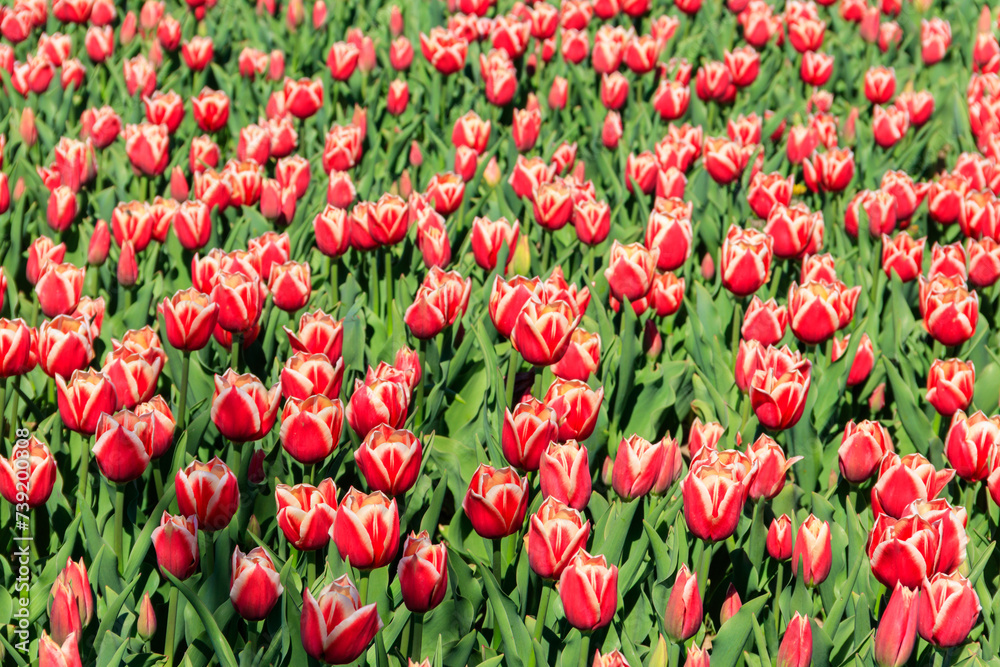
{"x": 367, "y": 529}
{"x": 684, "y": 607}
{"x": 507, "y": 300}
{"x": 772, "y": 467}
{"x": 831, "y": 171}
{"x": 175, "y": 541}
{"x": 714, "y": 492}
{"x": 576, "y": 406}
{"x": 318, "y": 333}
{"x": 70, "y": 604}
{"x": 124, "y": 445}
{"x": 637, "y": 465}
{"x": 582, "y": 357}
{"x": 950, "y": 384}
{"x": 630, "y": 270}
{"x": 188, "y": 319}
{"x": 903, "y": 551}
{"x": 903, "y": 256}
{"x": 817, "y": 310}
{"x": 779, "y": 538}
{"x": 59, "y": 288}
{"x": 83, "y": 399}
{"x": 970, "y": 443}
{"x": 441, "y": 299}
{"x": 896, "y": 635}
{"x": 307, "y": 374}
{"x": 779, "y": 401}
{"x": 306, "y": 513}
{"x": 797, "y": 644}
{"x": 31, "y": 485}
{"x": 556, "y": 533}
{"x": 746, "y": 260}
{"x": 588, "y": 589}
{"x": 488, "y": 237}
{"x": 64, "y": 345}
{"x": 255, "y": 585}
{"x": 764, "y": 321}
{"x": 527, "y": 432}
{"x": 950, "y": 311}
{"x": 422, "y": 573}
{"x": 311, "y": 428}
{"x": 949, "y": 609}
{"x": 243, "y": 409}
{"x": 52, "y": 654}
{"x": 208, "y": 491}
{"x": 862, "y": 448}
{"x": 542, "y": 332}
{"x": 389, "y": 459}
{"x": 812, "y": 551}
{"x": 335, "y": 628}
{"x": 496, "y": 501}
{"x": 864, "y": 358}
{"x": 565, "y": 474}
{"x": 239, "y": 300}
{"x": 377, "y": 402}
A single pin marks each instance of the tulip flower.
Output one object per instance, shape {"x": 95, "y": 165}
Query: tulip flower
{"x": 188, "y": 319}
{"x": 496, "y": 501}
{"x": 862, "y": 449}
{"x": 59, "y": 288}
{"x": 565, "y": 474}
{"x": 812, "y": 551}
{"x": 582, "y": 357}
{"x": 389, "y": 459}
{"x": 423, "y": 573}
{"x": 243, "y": 409}
{"x": 367, "y": 529}
{"x": 903, "y": 551}
{"x": 31, "y": 485}
{"x": 84, "y": 398}
{"x": 772, "y": 467}
{"x": 311, "y": 428}
{"x": 527, "y": 432}
{"x": 714, "y": 493}
{"x": 18, "y": 353}
{"x": 318, "y": 333}
{"x": 124, "y": 445}
{"x": 950, "y": 311}
{"x": 335, "y": 628}
{"x": 556, "y": 533}
{"x": 577, "y": 407}
{"x": 684, "y": 607}
{"x": 592, "y": 221}
{"x": 175, "y": 541}
{"x": 306, "y": 513}
{"x": 970, "y": 443}
{"x": 949, "y": 609}
{"x": 637, "y": 465}
{"x": 779, "y": 538}
{"x": 779, "y": 401}
{"x": 896, "y": 635}
{"x": 542, "y": 332}
{"x": 950, "y": 384}
{"x": 63, "y": 345}
{"x": 588, "y": 589}
{"x": 305, "y": 375}
{"x": 797, "y": 644}
{"x": 441, "y": 299}
{"x": 507, "y": 300}
{"x": 745, "y": 260}
{"x": 53, "y": 654}
{"x": 255, "y": 585}
{"x": 209, "y": 492}
{"x": 376, "y": 402}
{"x": 764, "y": 321}
{"x": 817, "y": 310}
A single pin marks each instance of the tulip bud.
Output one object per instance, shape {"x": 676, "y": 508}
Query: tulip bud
{"x": 949, "y": 609}
{"x": 146, "y": 626}
{"x": 423, "y": 573}
{"x": 128, "y": 270}
{"x": 367, "y": 529}
{"x": 588, "y": 590}
{"x": 555, "y": 534}
{"x": 796, "y": 644}
{"x": 731, "y": 605}
{"x": 496, "y": 501}
{"x": 896, "y": 635}
{"x": 353, "y": 628}
{"x": 779, "y": 538}
{"x": 637, "y": 465}
{"x": 813, "y": 552}
{"x": 684, "y": 607}
{"x": 28, "y": 130}
{"x": 255, "y": 585}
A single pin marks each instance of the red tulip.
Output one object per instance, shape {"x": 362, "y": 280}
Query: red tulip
{"x": 335, "y": 627}
{"x": 210, "y": 109}
{"x": 243, "y": 409}
{"x": 556, "y": 533}
{"x": 542, "y": 332}
{"x": 367, "y": 529}
{"x": 188, "y": 319}
{"x": 441, "y": 299}
{"x": 71, "y": 601}
{"x": 903, "y": 256}
{"x": 527, "y": 432}
{"x": 576, "y": 406}
{"x": 684, "y": 611}
{"x": 764, "y": 321}
{"x": 880, "y": 84}
{"x": 239, "y": 300}
{"x": 864, "y": 358}
{"x": 28, "y": 476}
{"x": 970, "y": 443}
{"x": 83, "y": 399}
{"x": 630, "y": 270}
{"x": 208, "y": 491}
{"x": 496, "y": 501}
{"x": 812, "y": 551}
{"x": 831, "y": 171}
{"x": 768, "y": 190}
{"x": 318, "y": 333}
{"x": 50, "y": 652}
{"x": 949, "y": 609}
{"x": 378, "y": 401}
{"x": 903, "y": 551}
{"x": 772, "y": 467}
{"x": 950, "y": 385}
{"x": 896, "y": 635}
{"x": 779, "y": 401}
{"x": 582, "y": 357}
{"x": 637, "y": 465}
{"x": 175, "y": 541}
{"x": 255, "y": 585}
{"x": 746, "y": 260}
{"x": 389, "y": 459}
{"x": 779, "y": 538}
{"x": 950, "y": 311}
{"x": 565, "y": 474}
{"x": 714, "y": 492}
{"x": 422, "y": 573}
{"x": 817, "y": 310}
{"x": 64, "y": 345}
{"x": 306, "y": 513}
{"x": 311, "y": 428}
{"x": 588, "y": 589}
{"x": 124, "y": 445}
{"x": 797, "y": 644}
{"x": 592, "y": 221}
{"x": 889, "y": 124}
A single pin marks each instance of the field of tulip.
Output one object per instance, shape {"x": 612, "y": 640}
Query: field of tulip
{"x": 493, "y": 332}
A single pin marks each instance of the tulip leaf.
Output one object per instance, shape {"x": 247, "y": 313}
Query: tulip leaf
{"x": 514, "y": 635}
{"x": 219, "y": 642}
{"x": 727, "y": 647}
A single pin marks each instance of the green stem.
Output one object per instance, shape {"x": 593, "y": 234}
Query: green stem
{"x": 311, "y": 569}
{"x": 234, "y": 353}
{"x": 546, "y": 250}
{"x": 777, "y": 598}
{"x": 420, "y": 411}
{"x": 157, "y": 479}
{"x": 513, "y": 361}
{"x": 3, "y": 407}
{"x": 543, "y": 610}
{"x": 168, "y": 647}
{"x": 416, "y": 635}
{"x": 388, "y": 291}
{"x": 334, "y": 282}
{"x": 584, "y": 651}
{"x": 119, "y": 522}
{"x": 497, "y": 561}
{"x": 181, "y": 416}
{"x": 363, "y": 587}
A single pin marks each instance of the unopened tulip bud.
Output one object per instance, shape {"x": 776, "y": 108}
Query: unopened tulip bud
{"x": 128, "y": 269}
{"x": 29, "y": 132}
{"x": 896, "y": 635}
{"x": 146, "y": 627}
{"x": 796, "y": 645}
{"x": 684, "y": 607}
{"x": 100, "y": 244}
{"x": 730, "y": 605}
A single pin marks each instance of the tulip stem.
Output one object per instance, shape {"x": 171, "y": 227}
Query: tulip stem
{"x": 388, "y": 291}
{"x": 234, "y": 359}
{"x": 183, "y": 392}
{"x": 584, "y": 650}
{"x": 416, "y": 635}
{"x": 3, "y": 407}
{"x": 543, "y": 610}
{"x": 168, "y": 646}
{"x": 119, "y": 521}
{"x": 334, "y": 282}
{"x": 311, "y": 569}
{"x": 513, "y": 361}
{"x": 420, "y": 411}
{"x": 777, "y": 597}
{"x": 497, "y": 561}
